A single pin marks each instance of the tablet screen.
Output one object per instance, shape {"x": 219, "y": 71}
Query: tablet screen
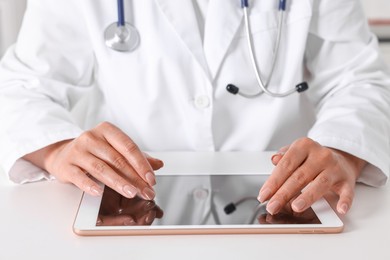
{"x": 198, "y": 200}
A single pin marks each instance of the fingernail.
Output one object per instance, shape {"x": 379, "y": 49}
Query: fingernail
{"x": 274, "y": 156}
{"x": 150, "y": 179}
{"x": 96, "y": 191}
{"x": 299, "y": 205}
{"x": 264, "y": 195}
{"x": 148, "y": 193}
{"x": 343, "y": 209}
{"x": 277, "y": 154}
{"x": 130, "y": 191}
{"x": 273, "y": 207}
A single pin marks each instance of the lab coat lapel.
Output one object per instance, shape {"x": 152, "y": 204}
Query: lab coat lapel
{"x": 182, "y": 16}
{"x": 222, "y": 22}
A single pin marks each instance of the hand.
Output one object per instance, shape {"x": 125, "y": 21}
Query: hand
{"x": 103, "y": 153}
{"x": 307, "y": 162}
{"x": 117, "y": 210}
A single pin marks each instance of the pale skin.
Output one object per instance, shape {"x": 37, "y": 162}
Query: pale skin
{"x": 107, "y": 154}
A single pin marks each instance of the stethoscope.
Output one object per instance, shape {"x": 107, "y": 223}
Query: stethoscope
{"x": 121, "y": 36}
{"x": 124, "y": 37}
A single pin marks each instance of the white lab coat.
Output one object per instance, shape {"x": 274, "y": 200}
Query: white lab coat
{"x": 170, "y": 93}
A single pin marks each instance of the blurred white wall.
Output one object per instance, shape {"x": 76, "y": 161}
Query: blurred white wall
{"x": 377, "y": 8}
{"x": 378, "y": 13}
{"x": 11, "y": 13}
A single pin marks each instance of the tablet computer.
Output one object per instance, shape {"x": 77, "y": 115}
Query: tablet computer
{"x": 215, "y": 200}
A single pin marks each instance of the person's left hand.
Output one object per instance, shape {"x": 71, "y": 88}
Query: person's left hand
{"x": 307, "y": 162}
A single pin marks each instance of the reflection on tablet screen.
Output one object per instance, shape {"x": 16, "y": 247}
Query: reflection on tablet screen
{"x": 197, "y": 200}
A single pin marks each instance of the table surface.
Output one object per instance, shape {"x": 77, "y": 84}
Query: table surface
{"x": 36, "y": 223}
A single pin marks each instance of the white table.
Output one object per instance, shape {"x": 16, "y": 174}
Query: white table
{"x": 36, "y": 223}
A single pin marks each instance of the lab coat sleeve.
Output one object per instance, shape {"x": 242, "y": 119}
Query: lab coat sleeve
{"x": 350, "y": 86}
{"x": 42, "y": 77}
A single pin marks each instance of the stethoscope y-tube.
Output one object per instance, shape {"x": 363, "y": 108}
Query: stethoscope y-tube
{"x": 233, "y": 89}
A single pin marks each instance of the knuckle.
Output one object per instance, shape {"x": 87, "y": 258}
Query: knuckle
{"x": 324, "y": 180}
{"x": 130, "y": 147}
{"x": 99, "y": 167}
{"x": 86, "y": 138}
{"x": 119, "y": 163}
{"x": 325, "y": 156}
{"x": 285, "y": 197}
{"x": 304, "y": 142}
{"x": 300, "y": 178}
{"x": 104, "y": 125}
{"x": 287, "y": 165}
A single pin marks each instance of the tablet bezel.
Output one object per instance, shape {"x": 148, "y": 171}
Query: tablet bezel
{"x": 85, "y": 222}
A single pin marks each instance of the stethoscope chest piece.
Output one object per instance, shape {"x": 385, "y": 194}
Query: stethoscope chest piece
{"x": 122, "y": 38}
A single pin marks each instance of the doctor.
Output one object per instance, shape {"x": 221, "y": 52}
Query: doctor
{"x": 60, "y": 85}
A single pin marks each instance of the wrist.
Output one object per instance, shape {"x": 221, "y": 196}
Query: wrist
{"x": 355, "y": 163}
{"x": 44, "y": 157}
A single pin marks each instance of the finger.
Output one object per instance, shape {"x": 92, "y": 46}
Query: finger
{"x": 79, "y": 178}
{"x": 154, "y": 162}
{"x": 279, "y": 155}
{"x": 275, "y": 159}
{"x": 118, "y": 162}
{"x": 104, "y": 173}
{"x": 125, "y": 146}
{"x": 346, "y": 198}
{"x": 299, "y": 179}
{"x": 292, "y": 159}
{"x": 316, "y": 190}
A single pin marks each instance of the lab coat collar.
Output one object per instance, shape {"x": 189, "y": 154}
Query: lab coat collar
{"x": 221, "y": 25}
{"x": 222, "y": 22}
{"x": 181, "y": 14}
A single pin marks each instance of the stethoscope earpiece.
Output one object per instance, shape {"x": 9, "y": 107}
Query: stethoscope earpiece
{"x": 233, "y": 89}
{"x": 301, "y": 87}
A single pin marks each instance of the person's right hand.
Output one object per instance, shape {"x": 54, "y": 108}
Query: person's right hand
{"x": 103, "y": 153}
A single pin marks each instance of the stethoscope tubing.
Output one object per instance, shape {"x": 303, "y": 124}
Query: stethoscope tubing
{"x": 121, "y": 13}
{"x": 264, "y": 84}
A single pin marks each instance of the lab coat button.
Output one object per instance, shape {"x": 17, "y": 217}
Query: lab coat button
{"x": 202, "y": 102}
